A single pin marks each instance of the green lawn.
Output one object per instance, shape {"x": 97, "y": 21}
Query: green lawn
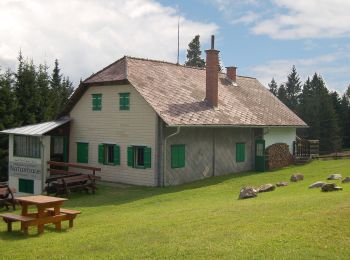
{"x": 201, "y": 220}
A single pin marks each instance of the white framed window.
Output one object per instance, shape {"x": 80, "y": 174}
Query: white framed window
{"x": 26, "y": 146}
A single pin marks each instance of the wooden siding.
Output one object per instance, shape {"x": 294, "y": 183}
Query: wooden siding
{"x": 137, "y": 126}
{"x": 209, "y": 152}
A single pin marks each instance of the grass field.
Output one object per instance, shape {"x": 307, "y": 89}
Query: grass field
{"x": 201, "y": 220}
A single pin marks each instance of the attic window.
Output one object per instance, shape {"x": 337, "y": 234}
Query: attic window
{"x": 96, "y": 102}
{"x": 124, "y": 101}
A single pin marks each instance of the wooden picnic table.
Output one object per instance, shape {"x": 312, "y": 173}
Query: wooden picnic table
{"x": 43, "y": 216}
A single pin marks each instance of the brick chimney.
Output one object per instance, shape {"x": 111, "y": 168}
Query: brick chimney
{"x": 212, "y": 75}
{"x": 231, "y": 73}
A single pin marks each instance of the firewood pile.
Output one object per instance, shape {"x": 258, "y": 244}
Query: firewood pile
{"x": 278, "y": 156}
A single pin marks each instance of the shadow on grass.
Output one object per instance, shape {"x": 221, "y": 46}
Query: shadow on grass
{"x": 16, "y": 234}
{"x": 106, "y": 195}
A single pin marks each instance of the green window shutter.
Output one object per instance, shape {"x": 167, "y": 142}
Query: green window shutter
{"x": 174, "y": 157}
{"x": 240, "y": 152}
{"x": 178, "y": 156}
{"x": 116, "y": 154}
{"x": 130, "y": 156}
{"x": 96, "y": 102}
{"x": 147, "y": 157}
{"x": 182, "y": 156}
{"x": 101, "y": 153}
{"x": 243, "y": 152}
{"x": 124, "y": 101}
{"x": 82, "y": 152}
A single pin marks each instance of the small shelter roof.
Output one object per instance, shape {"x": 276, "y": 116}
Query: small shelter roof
{"x": 37, "y": 129}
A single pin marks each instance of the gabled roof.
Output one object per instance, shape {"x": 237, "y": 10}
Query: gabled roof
{"x": 36, "y": 129}
{"x": 177, "y": 93}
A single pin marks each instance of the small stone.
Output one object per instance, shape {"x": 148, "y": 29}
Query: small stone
{"x": 347, "y": 179}
{"x": 317, "y": 184}
{"x": 297, "y": 177}
{"x": 248, "y": 192}
{"x": 330, "y": 187}
{"x": 266, "y": 188}
{"x": 282, "y": 184}
{"x": 334, "y": 176}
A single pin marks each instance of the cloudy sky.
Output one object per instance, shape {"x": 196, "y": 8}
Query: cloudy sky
{"x": 264, "y": 38}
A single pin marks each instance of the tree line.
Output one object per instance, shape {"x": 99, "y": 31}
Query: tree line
{"x": 326, "y": 112}
{"x": 29, "y": 95}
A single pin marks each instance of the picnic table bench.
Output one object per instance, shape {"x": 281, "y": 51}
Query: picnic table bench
{"x": 64, "y": 181}
{"x": 66, "y": 185}
{"x": 6, "y": 197}
{"x": 49, "y": 211}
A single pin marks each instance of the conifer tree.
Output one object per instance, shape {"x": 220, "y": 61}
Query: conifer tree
{"x": 56, "y": 89}
{"x": 293, "y": 89}
{"x": 273, "y": 87}
{"x": 194, "y": 54}
{"x": 43, "y": 83}
{"x": 26, "y": 92}
{"x": 282, "y": 94}
{"x": 8, "y": 107}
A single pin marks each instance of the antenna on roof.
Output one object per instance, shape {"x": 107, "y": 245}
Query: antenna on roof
{"x": 178, "y": 35}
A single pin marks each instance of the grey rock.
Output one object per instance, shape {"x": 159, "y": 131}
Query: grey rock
{"x": 347, "y": 179}
{"x": 330, "y": 187}
{"x": 282, "y": 184}
{"x": 248, "y": 192}
{"x": 317, "y": 184}
{"x": 297, "y": 177}
{"x": 334, "y": 176}
{"x": 266, "y": 188}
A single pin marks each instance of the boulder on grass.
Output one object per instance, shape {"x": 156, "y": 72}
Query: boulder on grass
{"x": 282, "y": 184}
{"x": 330, "y": 187}
{"x": 347, "y": 179}
{"x": 297, "y": 177}
{"x": 248, "y": 192}
{"x": 317, "y": 184}
{"x": 266, "y": 188}
{"x": 334, "y": 176}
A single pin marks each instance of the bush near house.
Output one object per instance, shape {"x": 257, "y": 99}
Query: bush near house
{"x": 202, "y": 220}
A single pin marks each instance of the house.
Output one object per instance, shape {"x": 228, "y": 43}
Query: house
{"x": 155, "y": 123}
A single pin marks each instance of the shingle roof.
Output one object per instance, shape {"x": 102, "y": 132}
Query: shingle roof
{"x": 177, "y": 93}
{"x": 37, "y": 129}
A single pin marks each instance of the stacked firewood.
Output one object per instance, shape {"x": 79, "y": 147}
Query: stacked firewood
{"x": 278, "y": 156}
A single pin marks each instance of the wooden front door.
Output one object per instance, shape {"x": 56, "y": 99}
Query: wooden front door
{"x": 260, "y": 155}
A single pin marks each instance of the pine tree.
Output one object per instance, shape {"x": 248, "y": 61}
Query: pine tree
{"x": 26, "y": 92}
{"x": 282, "y": 94}
{"x": 194, "y": 54}
{"x": 8, "y": 107}
{"x": 43, "y": 83}
{"x": 293, "y": 89}
{"x": 273, "y": 87}
{"x": 56, "y": 89}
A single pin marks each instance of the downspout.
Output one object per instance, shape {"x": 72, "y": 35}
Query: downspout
{"x": 165, "y": 152}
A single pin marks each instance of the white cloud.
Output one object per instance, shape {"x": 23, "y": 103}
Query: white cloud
{"x": 307, "y": 19}
{"x": 286, "y": 19}
{"x": 86, "y": 35}
{"x": 335, "y": 76}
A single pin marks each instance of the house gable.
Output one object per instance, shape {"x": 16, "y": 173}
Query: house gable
{"x": 110, "y": 125}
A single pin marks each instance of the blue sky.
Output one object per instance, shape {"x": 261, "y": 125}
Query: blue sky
{"x": 263, "y": 38}
{"x": 271, "y": 53}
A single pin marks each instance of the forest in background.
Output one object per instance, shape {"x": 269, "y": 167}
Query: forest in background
{"x": 326, "y": 112}
{"x": 29, "y": 95}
